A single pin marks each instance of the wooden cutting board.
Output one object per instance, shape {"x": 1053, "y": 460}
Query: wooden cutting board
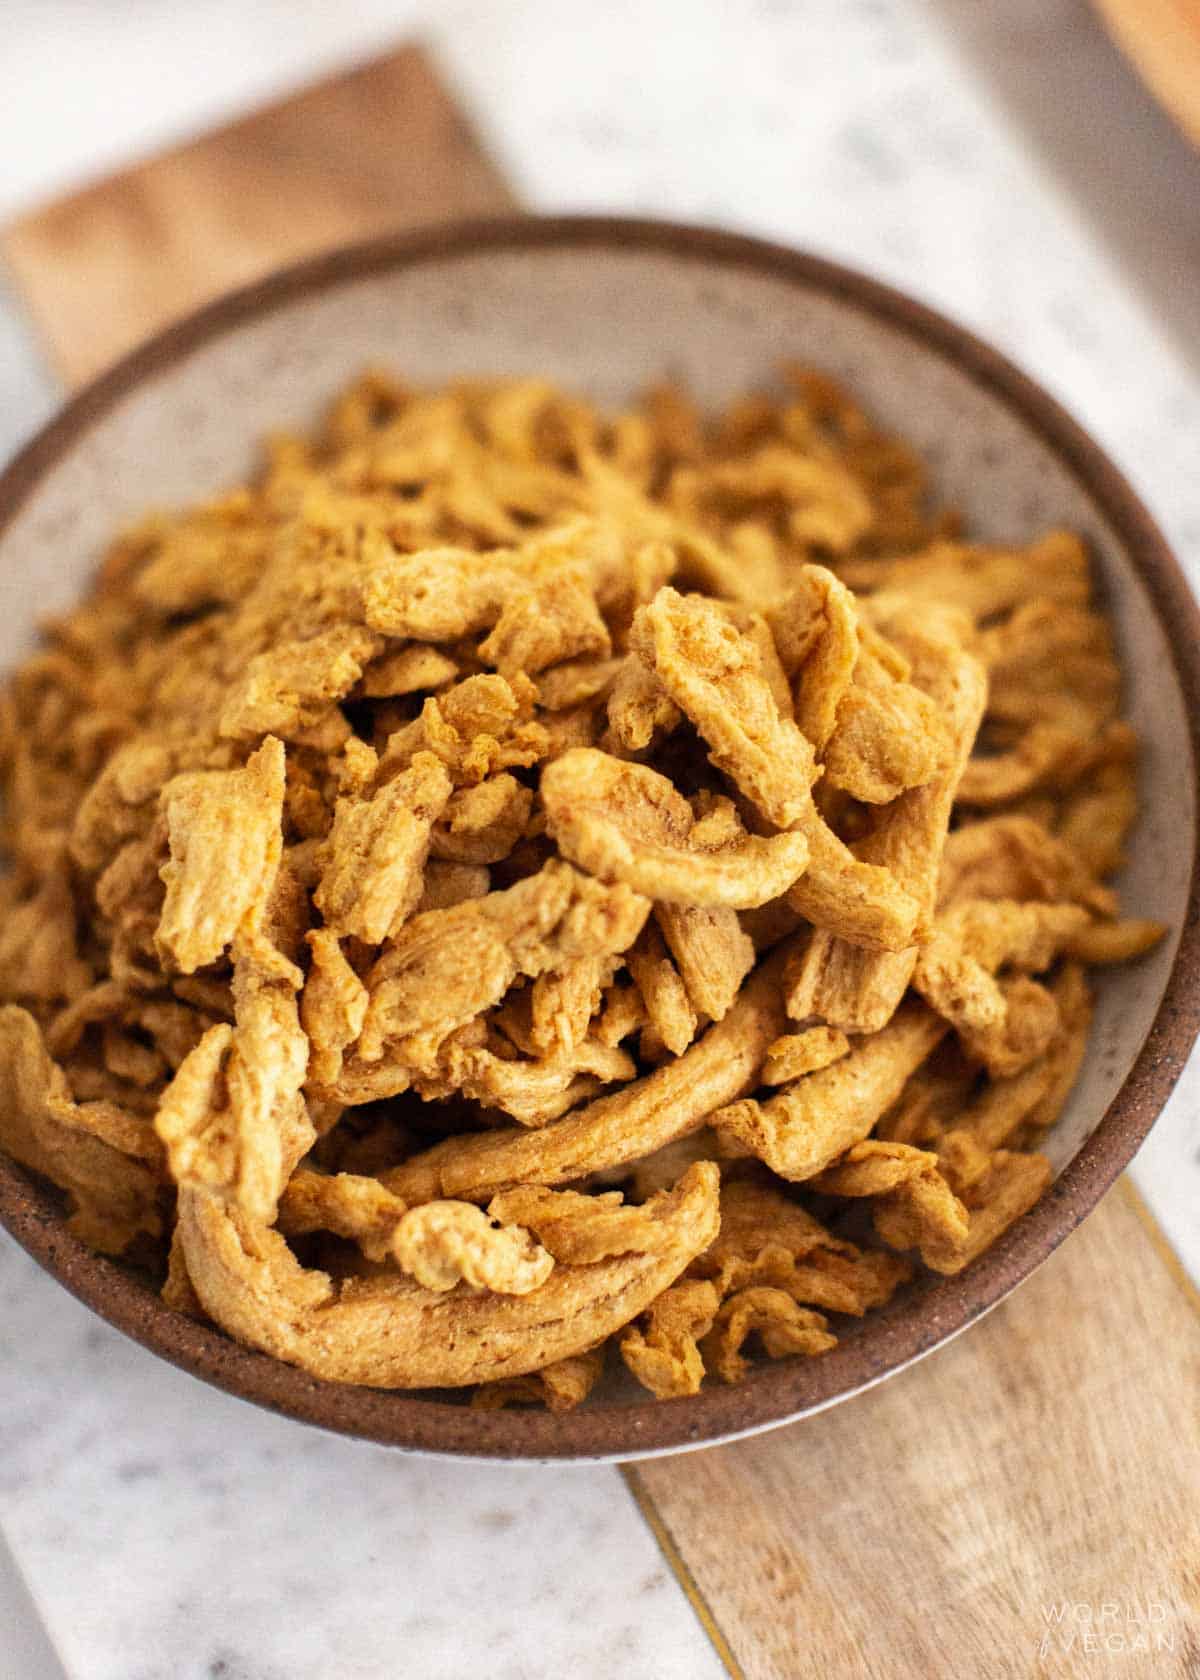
{"x": 1162, "y": 39}
{"x": 1024, "y": 1502}
{"x": 371, "y": 150}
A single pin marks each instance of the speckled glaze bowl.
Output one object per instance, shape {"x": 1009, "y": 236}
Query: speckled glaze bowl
{"x": 606, "y": 306}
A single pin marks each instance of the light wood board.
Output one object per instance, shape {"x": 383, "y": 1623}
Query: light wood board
{"x": 374, "y": 149}
{"x": 935, "y": 1526}
{"x": 1162, "y": 39}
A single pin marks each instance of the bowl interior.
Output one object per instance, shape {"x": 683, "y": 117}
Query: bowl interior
{"x": 606, "y": 320}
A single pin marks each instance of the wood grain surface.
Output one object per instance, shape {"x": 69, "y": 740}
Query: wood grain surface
{"x": 1026, "y": 1502}
{"x": 938, "y": 1525}
{"x": 373, "y": 149}
{"x": 1162, "y": 38}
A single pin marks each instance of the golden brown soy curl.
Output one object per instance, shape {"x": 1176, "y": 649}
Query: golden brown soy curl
{"x": 806, "y": 1126}
{"x": 613, "y": 1130}
{"x": 388, "y": 1332}
{"x": 626, "y": 822}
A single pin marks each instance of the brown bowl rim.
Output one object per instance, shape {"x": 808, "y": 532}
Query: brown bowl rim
{"x": 924, "y": 1317}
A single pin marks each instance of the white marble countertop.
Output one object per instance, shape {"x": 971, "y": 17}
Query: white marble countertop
{"x": 1002, "y": 163}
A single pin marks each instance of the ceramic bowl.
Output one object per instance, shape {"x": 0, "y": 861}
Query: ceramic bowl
{"x": 606, "y": 306}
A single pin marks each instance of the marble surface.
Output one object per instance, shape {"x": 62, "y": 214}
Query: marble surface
{"x": 1001, "y": 162}
{"x": 170, "y": 1532}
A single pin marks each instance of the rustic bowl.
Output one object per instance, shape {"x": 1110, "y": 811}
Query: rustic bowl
{"x": 606, "y": 306}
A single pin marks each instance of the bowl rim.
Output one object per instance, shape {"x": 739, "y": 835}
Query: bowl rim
{"x": 928, "y": 1315}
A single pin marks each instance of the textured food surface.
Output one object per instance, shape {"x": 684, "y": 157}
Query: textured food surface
{"x": 513, "y": 882}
